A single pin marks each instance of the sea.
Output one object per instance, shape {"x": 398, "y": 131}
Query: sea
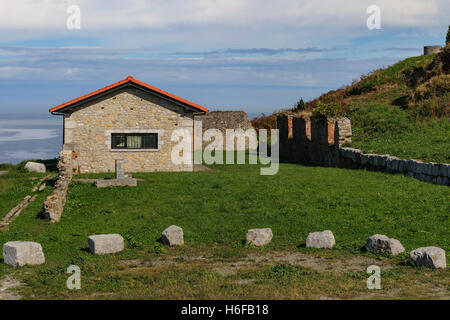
{"x": 28, "y": 136}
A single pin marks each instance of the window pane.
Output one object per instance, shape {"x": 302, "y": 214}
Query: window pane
{"x": 150, "y": 141}
{"x": 117, "y": 141}
{"x": 134, "y": 142}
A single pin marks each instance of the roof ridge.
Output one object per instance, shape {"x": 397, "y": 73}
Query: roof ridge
{"x": 128, "y": 79}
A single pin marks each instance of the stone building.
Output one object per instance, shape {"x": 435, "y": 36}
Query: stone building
{"x": 127, "y": 120}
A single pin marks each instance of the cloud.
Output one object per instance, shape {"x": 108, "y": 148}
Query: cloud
{"x": 138, "y": 14}
{"x": 9, "y": 135}
{"x": 254, "y": 51}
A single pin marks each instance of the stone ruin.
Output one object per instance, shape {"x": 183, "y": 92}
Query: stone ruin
{"x": 323, "y": 144}
{"x": 305, "y": 141}
{"x": 431, "y": 49}
{"x": 54, "y": 204}
{"x": 223, "y": 120}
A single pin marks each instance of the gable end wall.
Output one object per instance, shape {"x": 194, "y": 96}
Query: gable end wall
{"x": 89, "y": 129}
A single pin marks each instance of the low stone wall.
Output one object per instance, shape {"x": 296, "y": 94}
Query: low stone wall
{"x": 54, "y": 204}
{"x": 437, "y": 173}
{"x": 321, "y": 143}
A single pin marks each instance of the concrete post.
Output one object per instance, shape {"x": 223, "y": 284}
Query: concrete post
{"x": 120, "y": 174}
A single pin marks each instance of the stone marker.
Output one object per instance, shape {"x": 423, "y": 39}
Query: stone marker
{"x": 259, "y": 237}
{"x": 105, "y": 243}
{"x": 35, "y": 167}
{"x": 172, "y": 236}
{"x": 324, "y": 239}
{"x": 431, "y": 257}
{"x": 379, "y": 243}
{"x": 20, "y": 253}
{"x": 120, "y": 174}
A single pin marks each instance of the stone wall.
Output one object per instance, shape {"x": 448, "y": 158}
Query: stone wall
{"x": 306, "y": 141}
{"x": 88, "y": 130}
{"x": 437, "y": 173}
{"x": 431, "y": 49}
{"x": 54, "y": 204}
{"x": 322, "y": 143}
{"x": 223, "y": 120}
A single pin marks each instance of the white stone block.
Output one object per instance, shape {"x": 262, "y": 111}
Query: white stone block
{"x": 324, "y": 239}
{"x": 105, "y": 243}
{"x": 35, "y": 167}
{"x": 259, "y": 237}
{"x": 172, "y": 236}
{"x": 20, "y": 253}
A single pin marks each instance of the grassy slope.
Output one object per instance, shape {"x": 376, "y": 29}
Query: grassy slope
{"x": 14, "y": 187}
{"x": 382, "y": 123}
{"x": 382, "y": 120}
{"x": 215, "y": 210}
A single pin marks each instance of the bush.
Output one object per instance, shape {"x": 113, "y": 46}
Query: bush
{"x": 324, "y": 110}
{"x": 447, "y": 39}
{"x": 300, "y": 105}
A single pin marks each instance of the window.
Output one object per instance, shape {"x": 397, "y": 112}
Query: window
{"x": 134, "y": 141}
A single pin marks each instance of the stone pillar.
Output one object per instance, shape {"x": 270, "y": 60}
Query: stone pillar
{"x": 120, "y": 174}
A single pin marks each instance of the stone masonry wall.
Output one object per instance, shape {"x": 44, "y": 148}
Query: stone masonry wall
{"x": 437, "y": 173}
{"x": 306, "y": 141}
{"x": 54, "y": 203}
{"x": 223, "y": 120}
{"x": 88, "y": 129}
{"x": 309, "y": 142}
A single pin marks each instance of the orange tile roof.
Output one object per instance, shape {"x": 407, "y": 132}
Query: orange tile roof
{"x": 129, "y": 79}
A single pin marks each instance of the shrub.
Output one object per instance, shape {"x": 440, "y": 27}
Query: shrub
{"x": 447, "y": 39}
{"x": 265, "y": 122}
{"x": 324, "y": 110}
{"x": 300, "y": 105}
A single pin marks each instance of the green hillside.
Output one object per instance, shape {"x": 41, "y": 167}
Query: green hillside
{"x": 402, "y": 110}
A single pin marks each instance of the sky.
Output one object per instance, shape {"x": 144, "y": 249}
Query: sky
{"x": 252, "y": 55}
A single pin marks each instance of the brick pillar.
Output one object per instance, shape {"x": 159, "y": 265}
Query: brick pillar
{"x": 331, "y": 126}
{"x": 308, "y": 129}
{"x": 290, "y": 133}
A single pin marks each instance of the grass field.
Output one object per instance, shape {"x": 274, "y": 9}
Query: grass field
{"x": 215, "y": 209}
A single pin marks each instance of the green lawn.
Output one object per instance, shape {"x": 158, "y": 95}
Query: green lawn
{"x": 215, "y": 209}
{"x": 14, "y": 187}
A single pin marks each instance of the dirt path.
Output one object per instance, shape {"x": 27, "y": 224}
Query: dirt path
{"x": 7, "y": 288}
{"x": 337, "y": 265}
